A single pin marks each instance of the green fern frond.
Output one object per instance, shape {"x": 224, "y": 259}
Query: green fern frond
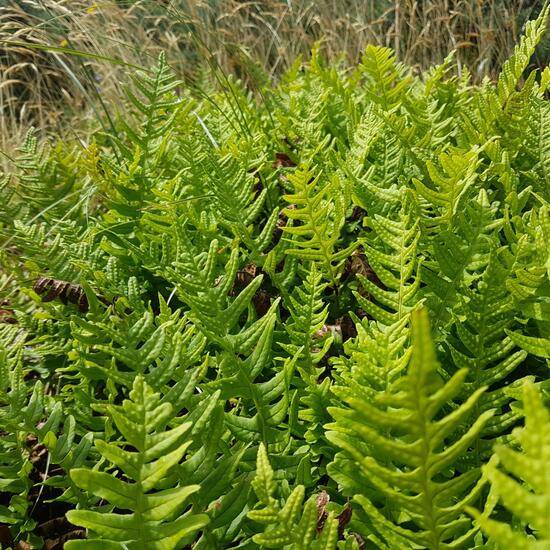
{"x": 459, "y": 258}
{"x": 157, "y": 106}
{"x": 155, "y": 519}
{"x": 392, "y": 251}
{"x": 537, "y": 140}
{"x": 531, "y": 344}
{"x": 530, "y": 251}
{"x": 404, "y": 444}
{"x": 362, "y": 138}
{"x": 266, "y": 404}
{"x": 169, "y": 354}
{"x": 478, "y": 342}
{"x": 320, "y": 208}
{"x": 238, "y": 204}
{"x": 68, "y": 253}
{"x": 12, "y": 208}
{"x": 448, "y": 185}
{"x": 520, "y": 481}
{"x": 514, "y": 67}
{"x": 387, "y": 82}
{"x": 195, "y": 276}
{"x": 48, "y": 178}
{"x": 31, "y": 420}
{"x": 308, "y": 314}
{"x": 338, "y": 93}
{"x": 293, "y": 525}
{"x": 378, "y": 356}
{"x": 375, "y": 162}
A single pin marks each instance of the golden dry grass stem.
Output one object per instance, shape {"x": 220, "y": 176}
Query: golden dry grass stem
{"x": 58, "y": 92}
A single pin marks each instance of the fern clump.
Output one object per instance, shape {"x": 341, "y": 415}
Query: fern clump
{"x": 296, "y": 317}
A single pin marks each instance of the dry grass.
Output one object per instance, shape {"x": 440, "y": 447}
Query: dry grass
{"x": 49, "y": 88}
{"x": 61, "y": 93}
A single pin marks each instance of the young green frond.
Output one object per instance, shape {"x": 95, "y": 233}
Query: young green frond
{"x": 387, "y": 82}
{"x": 157, "y": 516}
{"x": 514, "y": 67}
{"x": 459, "y": 258}
{"x": 405, "y": 446}
{"x": 293, "y": 525}
{"x": 449, "y": 184}
{"x": 319, "y": 214}
{"x": 521, "y": 482}
{"x": 392, "y": 251}
{"x": 478, "y": 341}
{"x": 308, "y": 316}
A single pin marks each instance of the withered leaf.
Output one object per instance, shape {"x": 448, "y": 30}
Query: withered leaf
{"x": 323, "y": 498}
{"x": 344, "y": 518}
{"x": 50, "y": 289}
{"x": 282, "y": 160}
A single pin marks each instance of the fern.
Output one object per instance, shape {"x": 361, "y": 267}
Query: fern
{"x": 48, "y": 181}
{"x": 392, "y": 250}
{"x": 288, "y": 526}
{"x": 459, "y": 174}
{"x": 321, "y": 215}
{"x": 514, "y": 67}
{"x": 404, "y": 444}
{"x": 266, "y": 403}
{"x": 157, "y": 108}
{"x": 374, "y": 163}
{"x": 241, "y": 271}
{"x": 459, "y": 258}
{"x": 387, "y": 83}
{"x": 32, "y": 421}
{"x": 156, "y": 519}
{"x": 309, "y": 315}
{"x": 481, "y": 345}
{"x": 376, "y": 358}
{"x": 538, "y": 145}
{"x": 519, "y": 480}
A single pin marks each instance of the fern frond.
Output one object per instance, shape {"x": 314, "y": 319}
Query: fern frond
{"x": 531, "y": 253}
{"x": 266, "y": 404}
{"x": 308, "y": 316}
{"x": 514, "y": 67}
{"x": 404, "y": 443}
{"x": 538, "y": 139}
{"x": 293, "y": 525}
{"x": 12, "y": 208}
{"x": 195, "y": 276}
{"x": 157, "y": 106}
{"x": 378, "y": 357}
{"x": 459, "y": 258}
{"x": 320, "y": 208}
{"x": 375, "y": 163}
{"x": 448, "y": 185}
{"x": 155, "y": 519}
{"x": 48, "y": 178}
{"x": 387, "y": 82}
{"x": 68, "y": 253}
{"x": 478, "y": 342}
{"x": 392, "y": 251}
{"x": 520, "y": 481}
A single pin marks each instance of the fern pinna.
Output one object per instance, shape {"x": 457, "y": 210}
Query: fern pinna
{"x": 316, "y": 316}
